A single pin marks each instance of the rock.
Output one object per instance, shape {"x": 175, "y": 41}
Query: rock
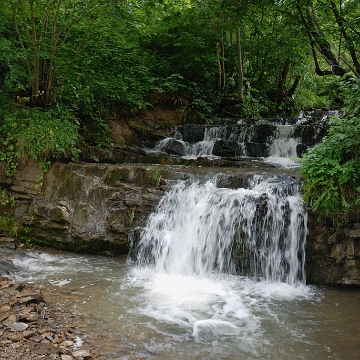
{"x": 37, "y": 338}
{"x": 34, "y": 340}
{"x": 300, "y": 149}
{"x": 31, "y": 299}
{"x": 10, "y": 320}
{"x": 16, "y": 337}
{"x": 224, "y": 148}
{"x": 6, "y": 242}
{"x": 63, "y": 350}
{"x": 67, "y": 343}
{"x": 4, "y": 312}
{"x": 66, "y": 357}
{"x": 19, "y": 326}
{"x": 257, "y": 149}
{"x": 28, "y": 333}
{"x": 82, "y": 353}
{"x": 175, "y": 147}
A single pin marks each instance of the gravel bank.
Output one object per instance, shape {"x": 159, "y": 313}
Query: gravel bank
{"x": 30, "y": 330}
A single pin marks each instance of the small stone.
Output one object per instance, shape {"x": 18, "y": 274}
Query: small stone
{"x": 20, "y": 287}
{"x": 37, "y": 338}
{"x": 10, "y": 320}
{"x": 49, "y": 337}
{"x": 32, "y": 317}
{"x": 5, "y": 342}
{"x": 16, "y": 337}
{"x": 63, "y": 350}
{"x": 71, "y": 336}
{"x": 4, "y": 312}
{"x": 16, "y": 345}
{"x": 82, "y": 353}
{"x": 66, "y": 357}
{"x": 67, "y": 343}
{"x": 28, "y": 333}
{"x": 19, "y": 326}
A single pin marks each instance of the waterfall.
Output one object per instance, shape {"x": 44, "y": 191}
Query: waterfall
{"x": 276, "y": 142}
{"x": 199, "y": 229}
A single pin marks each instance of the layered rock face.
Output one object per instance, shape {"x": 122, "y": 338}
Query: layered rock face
{"x": 83, "y": 207}
{"x": 99, "y": 206}
{"x": 333, "y": 256}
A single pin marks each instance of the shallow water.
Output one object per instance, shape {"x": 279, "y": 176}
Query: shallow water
{"x": 130, "y": 311}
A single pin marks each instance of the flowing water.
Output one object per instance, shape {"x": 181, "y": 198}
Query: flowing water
{"x": 219, "y": 275}
{"x": 278, "y": 147}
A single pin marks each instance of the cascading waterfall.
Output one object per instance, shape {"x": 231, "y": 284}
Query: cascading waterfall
{"x": 199, "y": 229}
{"x": 273, "y": 141}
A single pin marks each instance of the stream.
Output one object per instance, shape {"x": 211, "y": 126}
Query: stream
{"x": 131, "y": 311}
{"x": 217, "y": 273}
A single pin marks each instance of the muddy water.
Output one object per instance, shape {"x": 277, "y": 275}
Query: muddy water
{"x": 130, "y": 312}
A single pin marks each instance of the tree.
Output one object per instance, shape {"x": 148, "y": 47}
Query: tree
{"x": 320, "y": 19}
{"x": 45, "y": 31}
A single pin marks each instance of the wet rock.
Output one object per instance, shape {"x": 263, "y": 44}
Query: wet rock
{"x": 254, "y": 149}
{"x": 7, "y": 242}
{"x": 300, "y": 149}
{"x": 175, "y": 147}
{"x": 225, "y": 148}
{"x": 10, "y": 320}
{"x": 67, "y": 343}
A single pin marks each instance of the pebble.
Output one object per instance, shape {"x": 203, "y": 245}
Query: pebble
{"x": 82, "y": 353}
{"x": 30, "y": 330}
{"x": 19, "y": 326}
{"x": 66, "y": 357}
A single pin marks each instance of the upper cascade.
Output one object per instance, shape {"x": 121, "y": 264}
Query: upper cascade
{"x": 279, "y": 142}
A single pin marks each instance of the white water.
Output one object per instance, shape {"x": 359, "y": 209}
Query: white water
{"x": 181, "y": 299}
{"x": 186, "y": 259}
{"x": 201, "y": 229}
{"x": 282, "y": 146}
{"x": 131, "y": 312}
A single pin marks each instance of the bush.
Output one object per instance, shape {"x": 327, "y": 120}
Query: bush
{"x": 42, "y": 135}
{"x": 331, "y": 169}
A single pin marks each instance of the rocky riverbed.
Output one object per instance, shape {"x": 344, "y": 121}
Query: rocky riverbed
{"x": 30, "y": 329}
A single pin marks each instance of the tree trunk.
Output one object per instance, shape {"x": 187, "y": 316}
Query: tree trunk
{"x": 240, "y": 68}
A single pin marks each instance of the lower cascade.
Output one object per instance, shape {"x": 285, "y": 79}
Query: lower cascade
{"x": 219, "y": 275}
{"x": 200, "y": 229}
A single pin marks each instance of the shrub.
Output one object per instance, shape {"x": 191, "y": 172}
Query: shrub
{"x": 331, "y": 169}
{"x": 42, "y": 135}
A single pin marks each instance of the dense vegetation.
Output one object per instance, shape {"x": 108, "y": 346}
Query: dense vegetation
{"x": 66, "y": 65}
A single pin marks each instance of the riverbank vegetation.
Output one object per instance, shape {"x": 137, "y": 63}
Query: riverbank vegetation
{"x": 67, "y": 66}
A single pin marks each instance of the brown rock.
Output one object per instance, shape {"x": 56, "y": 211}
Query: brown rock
{"x": 4, "y": 312}
{"x": 37, "y": 338}
{"x": 16, "y": 337}
{"x": 66, "y": 357}
{"x": 28, "y": 333}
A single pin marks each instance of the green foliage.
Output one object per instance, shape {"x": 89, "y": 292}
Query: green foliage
{"x": 331, "y": 169}
{"x": 5, "y": 198}
{"x": 42, "y": 135}
{"x": 9, "y": 225}
{"x": 156, "y": 176}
